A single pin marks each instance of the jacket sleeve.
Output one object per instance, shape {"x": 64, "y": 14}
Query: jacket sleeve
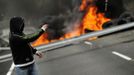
{"x": 32, "y": 37}
{"x": 34, "y": 50}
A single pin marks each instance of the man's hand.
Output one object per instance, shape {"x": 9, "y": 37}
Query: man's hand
{"x": 44, "y": 27}
{"x": 39, "y": 54}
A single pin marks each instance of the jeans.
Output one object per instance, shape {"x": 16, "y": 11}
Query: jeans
{"x": 29, "y": 70}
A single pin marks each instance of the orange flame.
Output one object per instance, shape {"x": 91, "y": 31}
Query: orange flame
{"x": 76, "y": 32}
{"x": 91, "y": 21}
{"x": 84, "y": 4}
{"x": 41, "y": 40}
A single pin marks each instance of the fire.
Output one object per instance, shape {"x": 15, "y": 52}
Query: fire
{"x": 76, "y": 32}
{"x": 92, "y": 20}
{"x": 84, "y": 4}
{"x": 41, "y": 40}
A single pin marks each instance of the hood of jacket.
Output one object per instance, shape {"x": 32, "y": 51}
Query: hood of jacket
{"x": 16, "y": 25}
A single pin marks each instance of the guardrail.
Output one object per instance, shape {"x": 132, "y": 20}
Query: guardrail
{"x": 52, "y": 46}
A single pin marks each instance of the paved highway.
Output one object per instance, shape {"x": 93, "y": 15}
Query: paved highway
{"x": 108, "y": 55}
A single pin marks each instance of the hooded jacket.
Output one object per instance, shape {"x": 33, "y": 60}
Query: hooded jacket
{"x": 21, "y": 49}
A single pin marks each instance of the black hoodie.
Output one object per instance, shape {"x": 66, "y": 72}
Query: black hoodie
{"x": 22, "y": 51}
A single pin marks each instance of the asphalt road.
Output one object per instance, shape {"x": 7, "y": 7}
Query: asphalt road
{"x": 109, "y": 55}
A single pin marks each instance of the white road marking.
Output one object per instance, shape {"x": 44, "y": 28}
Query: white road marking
{"x": 89, "y": 43}
{"x": 4, "y": 48}
{"x": 11, "y": 69}
{"x": 5, "y": 56}
{"x": 122, "y": 56}
{"x": 5, "y": 60}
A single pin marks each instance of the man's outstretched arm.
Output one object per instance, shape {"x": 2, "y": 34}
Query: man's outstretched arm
{"x": 36, "y": 35}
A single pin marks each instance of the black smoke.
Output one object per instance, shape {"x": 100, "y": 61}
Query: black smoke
{"x": 61, "y": 14}
{"x": 36, "y": 9}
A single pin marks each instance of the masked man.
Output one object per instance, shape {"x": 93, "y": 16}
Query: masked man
{"x": 21, "y": 49}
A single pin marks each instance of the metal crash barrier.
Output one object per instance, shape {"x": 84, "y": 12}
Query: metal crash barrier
{"x": 52, "y": 46}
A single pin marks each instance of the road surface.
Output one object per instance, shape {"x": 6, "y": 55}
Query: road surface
{"x": 108, "y": 55}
